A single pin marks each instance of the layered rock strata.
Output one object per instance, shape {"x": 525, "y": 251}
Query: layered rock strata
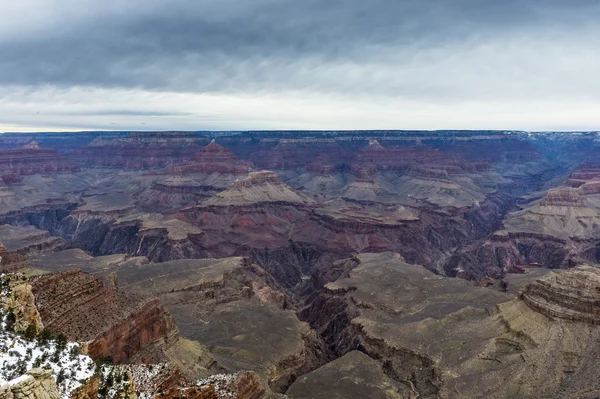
{"x": 213, "y": 159}
{"x": 22, "y": 303}
{"x": 572, "y": 296}
{"x": 117, "y": 325}
{"x": 235, "y": 309}
{"x": 35, "y": 384}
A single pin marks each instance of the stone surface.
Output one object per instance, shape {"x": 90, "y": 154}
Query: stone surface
{"x": 352, "y": 376}
{"x": 258, "y": 187}
{"x": 117, "y": 325}
{"x": 573, "y": 295}
{"x": 235, "y": 309}
{"x": 36, "y": 384}
{"x": 22, "y": 304}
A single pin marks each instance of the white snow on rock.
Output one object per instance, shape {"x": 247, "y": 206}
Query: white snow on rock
{"x": 18, "y": 355}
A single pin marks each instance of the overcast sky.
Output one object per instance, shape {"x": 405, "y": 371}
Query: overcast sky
{"x": 299, "y": 64}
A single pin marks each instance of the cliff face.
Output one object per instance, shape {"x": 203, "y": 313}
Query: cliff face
{"x": 213, "y": 159}
{"x": 35, "y": 384}
{"x": 563, "y": 197}
{"x": 139, "y": 151}
{"x": 11, "y": 262}
{"x": 363, "y": 309}
{"x": 21, "y": 303}
{"x": 101, "y": 231}
{"x": 18, "y": 242}
{"x": 31, "y": 159}
{"x": 244, "y": 322}
{"x": 243, "y": 385}
{"x": 118, "y": 325}
{"x": 458, "y": 340}
{"x": 572, "y": 295}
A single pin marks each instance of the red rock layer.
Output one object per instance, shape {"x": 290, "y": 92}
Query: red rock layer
{"x": 30, "y": 160}
{"x": 292, "y": 153}
{"x": 324, "y": 165}
{"x": 84, "y": 309}
{"x": 587, "y": 171}
{"x": 402, "y": 159}
{"x": 213, "y": 159}
{"x": 139, "y": 151}
{"x": 245, "y": 385}
{"x": 11, "y": 178}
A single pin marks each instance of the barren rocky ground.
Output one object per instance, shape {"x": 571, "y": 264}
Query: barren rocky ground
{"x": 313, "y": 265}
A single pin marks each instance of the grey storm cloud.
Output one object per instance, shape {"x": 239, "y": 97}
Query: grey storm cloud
{"x": 253, "y": 45}
{"x": 308, "y": 64}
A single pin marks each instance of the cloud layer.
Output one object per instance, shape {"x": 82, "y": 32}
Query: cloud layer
{"x": 174, "y": 64}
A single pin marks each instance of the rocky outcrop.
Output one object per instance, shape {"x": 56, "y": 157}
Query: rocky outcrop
{"x": 366, "y": 311}
{"x": 428, "y": 173}
{"x": 213, "y": 158}
{"x": 242, "y": 385}
{"x": 488, "y": 259}
{"x": 590, "y": 187}
{"x": 172, "y": 193}
{"x": 139, "y": 150}
{"x": 18, "y": 242}
{"x": 35, "y": 384}
{"x": 21, "y": 303}
{"x": 99, "y": 231}
{"x": 11, "y": 262}
{"x": 258, "y": 187}
{"x": 352, "y": 376}
{"x": 30, "y": 160}
{"x": 562, "y": 197}
{"x": 117, "y": 325}
{"x": 244, "y": 320}
{"x": 571, "y": 295}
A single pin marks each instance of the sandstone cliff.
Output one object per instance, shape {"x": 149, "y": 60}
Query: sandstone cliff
{"x": 21, "y": 303}
{"x": 35, "y": 384}
{"x": 117, "y": 324}
{"x": 573, "y": 295}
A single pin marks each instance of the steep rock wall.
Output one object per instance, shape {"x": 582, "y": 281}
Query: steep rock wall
{"x": 118, "y": 325}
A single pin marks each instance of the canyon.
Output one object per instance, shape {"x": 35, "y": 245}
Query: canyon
{"x": 383, "y": 264}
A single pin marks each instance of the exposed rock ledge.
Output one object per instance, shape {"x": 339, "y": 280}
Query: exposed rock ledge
{"x": 119, "y": 325}
{"x": 572, "y": 295}
{"x": 36, "y": 384}
{"x": 22, "y": 303}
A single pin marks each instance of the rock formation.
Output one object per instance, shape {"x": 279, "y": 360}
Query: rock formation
{"x": 31, "y": 159}
{"x": 572, "y": 295}
{"x": 139, "y": 150}
{"x": 288, "y": 274}
{"x": 22, "y": 303}
{"x": 35, "y": 384}
{"x": 18, "y": 242}
{"x": 240, "y": 306}
{"x": 258, "y": 187}
{"x": 213, "y": 158}
{"x": 352, "y": 376}
{"x": 562, "y": 197}
{"x": 117, "y": 325}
